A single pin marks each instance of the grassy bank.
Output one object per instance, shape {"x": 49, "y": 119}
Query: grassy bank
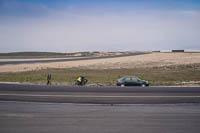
{"x": 172, "y": 75}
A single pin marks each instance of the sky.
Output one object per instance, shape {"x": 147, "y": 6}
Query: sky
{"x": 99, "y": 25}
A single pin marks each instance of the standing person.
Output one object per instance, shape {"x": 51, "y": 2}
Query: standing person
{"x": 49, "y": 79}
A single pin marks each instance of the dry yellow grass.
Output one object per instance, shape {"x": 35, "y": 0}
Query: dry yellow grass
{"x": 147, "y": 60}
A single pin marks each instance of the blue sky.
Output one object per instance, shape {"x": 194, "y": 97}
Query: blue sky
{"x": 99, "y": 25}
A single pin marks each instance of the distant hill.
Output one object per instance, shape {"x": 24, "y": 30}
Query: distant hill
{"x": 54, "y": 54}
{"x": 32, "y": 54}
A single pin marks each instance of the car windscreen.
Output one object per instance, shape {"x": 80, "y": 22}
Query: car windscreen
{"x": 137, "y": 78}
{"x": 122, "y": 79}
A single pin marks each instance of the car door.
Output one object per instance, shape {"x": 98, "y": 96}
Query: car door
{"x": 135, "y": 81}
{"x": 128, "y": 81}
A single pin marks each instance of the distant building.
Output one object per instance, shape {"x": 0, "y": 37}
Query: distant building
{"x": 177, "y": 50}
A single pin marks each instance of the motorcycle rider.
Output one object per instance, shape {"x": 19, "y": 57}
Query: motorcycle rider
{"x": 81, "y": 80}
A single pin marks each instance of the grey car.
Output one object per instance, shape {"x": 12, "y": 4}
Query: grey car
{"x": 131, "y": 81}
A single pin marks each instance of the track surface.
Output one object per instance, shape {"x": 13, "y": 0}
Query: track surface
{"x": 108, "y": 116}
{"x": 66, "y": 59}
{"x": 30, "y": 117}
{"x": 99, "y": 95}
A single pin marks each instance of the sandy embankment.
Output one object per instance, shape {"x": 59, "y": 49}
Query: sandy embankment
{"x": 147, "y": 60}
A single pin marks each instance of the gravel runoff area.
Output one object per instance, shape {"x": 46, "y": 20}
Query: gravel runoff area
{"x": 139, "y": 61}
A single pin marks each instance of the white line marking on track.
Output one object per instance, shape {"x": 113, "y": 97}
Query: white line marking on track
{"x": 92, "y": 96}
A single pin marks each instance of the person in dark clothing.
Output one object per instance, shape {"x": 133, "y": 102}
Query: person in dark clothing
{"x": 49, "y": 79}
{"x": 84, "y": 81}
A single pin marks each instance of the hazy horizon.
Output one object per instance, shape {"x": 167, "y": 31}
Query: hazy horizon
{"x": 99, "y": 25}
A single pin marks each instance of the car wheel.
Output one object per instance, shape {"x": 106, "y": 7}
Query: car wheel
{"x": 143, "y": 85}
{"x": 122, "y": 85}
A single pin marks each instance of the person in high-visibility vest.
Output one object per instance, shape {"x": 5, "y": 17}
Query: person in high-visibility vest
{"x": 79, "y": 80}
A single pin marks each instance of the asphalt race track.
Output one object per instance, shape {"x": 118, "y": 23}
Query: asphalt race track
{"x": 67, "y": 59}
{"x": 99, "y": 95}
{"x": 49, "y": 109}
{"x": 35, "y": 117}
